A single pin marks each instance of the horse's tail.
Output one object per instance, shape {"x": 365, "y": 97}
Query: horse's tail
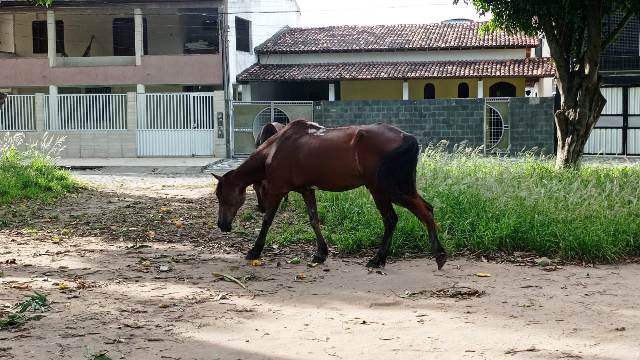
{"x": 397, "y": 170}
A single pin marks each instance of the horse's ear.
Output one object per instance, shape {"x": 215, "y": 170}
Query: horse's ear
{"x": 218, "y": 177}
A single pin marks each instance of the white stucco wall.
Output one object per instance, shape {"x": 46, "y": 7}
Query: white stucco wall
{"x": 441, "y": 55}
{"x": 263, "y": 26}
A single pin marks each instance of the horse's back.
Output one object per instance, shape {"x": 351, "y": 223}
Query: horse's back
{"x": 333, "y": 159}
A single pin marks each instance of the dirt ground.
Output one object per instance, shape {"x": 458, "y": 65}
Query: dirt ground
{"x": 164, "y": 302}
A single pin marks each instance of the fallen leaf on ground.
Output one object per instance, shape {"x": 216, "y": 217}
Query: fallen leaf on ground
{"x": 256, "y": 263}
{"x": 295, "y": 261}
{"x": 63, "y": 286}
{"x": 482, "y": 274}
{"x": 300, "y": 276}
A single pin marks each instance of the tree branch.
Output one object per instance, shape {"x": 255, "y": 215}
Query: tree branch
{"x": 612, "y": 35}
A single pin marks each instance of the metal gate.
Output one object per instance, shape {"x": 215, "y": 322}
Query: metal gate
{"x": 618, "y": 129}
{"x": 497, "y": 126}
{"x": 249, "y": 117}
{"x": 175, "y": 124}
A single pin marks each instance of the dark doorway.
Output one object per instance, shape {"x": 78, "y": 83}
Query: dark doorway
{"x": 429, "y": 91}
{"x": 502, "y": 89}
{"x": 463, "y": 90}
{"x": 124, "y": 38}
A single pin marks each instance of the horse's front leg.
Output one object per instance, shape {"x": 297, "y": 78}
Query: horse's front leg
{"x": 271, "y": 203}
{"x": 310, "y": 201}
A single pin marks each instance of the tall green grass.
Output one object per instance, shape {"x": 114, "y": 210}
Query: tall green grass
{"x": 30, "y": 173}
{"x": 491, "y": 204}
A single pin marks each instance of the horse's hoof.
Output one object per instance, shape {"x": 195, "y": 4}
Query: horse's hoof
{"x": 252, "y": 255}
{"x": 317, "y": 259}
{"x": 376, "y": 263}
{"x": 440, "y": 260}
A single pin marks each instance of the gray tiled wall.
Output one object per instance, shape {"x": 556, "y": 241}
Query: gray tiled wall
{"x": 454, "y": 120}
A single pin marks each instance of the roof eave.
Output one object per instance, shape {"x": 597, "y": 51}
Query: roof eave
{"x": 369, "y": 50}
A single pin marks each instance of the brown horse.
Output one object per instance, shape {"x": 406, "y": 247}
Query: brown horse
{"x": 266, "y": 132}
{"x": 306, "y": 156}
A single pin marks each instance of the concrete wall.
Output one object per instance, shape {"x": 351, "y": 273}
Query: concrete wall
{"x": 371, "y": 90}
{"x": 159, "y": 69}
{"x": 6, "y": 33}
{"x": 454, "y": 120}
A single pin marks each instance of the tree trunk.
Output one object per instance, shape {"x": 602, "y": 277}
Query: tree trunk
{"x": 578, "y": 114}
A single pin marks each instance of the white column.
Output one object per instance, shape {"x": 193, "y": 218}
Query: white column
{"x": 51, "y": 37}
{"x": 246, "y": 92}
{"x": 332, "y": 92}
{"x": 546, "y": 87}
{"x": 405, "y": 90}
{"x": 40, "y": 116}
{"x": 54, "y": 120}
{"x": 139, "y": 35}
{"x": 140, "y": 89}
{"x": 220, "y": 146}
{"x": 480, "y": 88}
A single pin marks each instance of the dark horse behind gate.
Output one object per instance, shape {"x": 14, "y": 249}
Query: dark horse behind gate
{"x": 265, "y": 133}
{"x": 305, "y": 156}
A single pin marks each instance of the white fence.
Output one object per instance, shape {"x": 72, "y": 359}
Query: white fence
{"x": 176, "y": 124}
{"x": 604, "y": 141}
{"x": 86, "y": 112}
{"x": 18, "y": 113}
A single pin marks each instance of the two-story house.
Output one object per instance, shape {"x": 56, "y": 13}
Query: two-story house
{"x": 130, "y": 78}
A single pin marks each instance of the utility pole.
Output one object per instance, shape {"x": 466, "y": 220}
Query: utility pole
{"x": 224, "y": 37}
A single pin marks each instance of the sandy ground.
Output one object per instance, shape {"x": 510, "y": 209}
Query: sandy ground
{"x": 163, "y": 301}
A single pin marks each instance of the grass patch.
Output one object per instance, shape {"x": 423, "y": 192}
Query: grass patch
{"x": 31, "y": 174}
{"x": 490, "y": 205}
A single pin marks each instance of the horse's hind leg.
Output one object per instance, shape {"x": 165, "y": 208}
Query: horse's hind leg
{"x": 272, "y": 202}
{"x": 424, "y": 211}
{"x": 309, "y": 197}
{"x": 390, "y": 219}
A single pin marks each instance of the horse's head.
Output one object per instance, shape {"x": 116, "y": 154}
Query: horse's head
{"x": 231, "y": 196}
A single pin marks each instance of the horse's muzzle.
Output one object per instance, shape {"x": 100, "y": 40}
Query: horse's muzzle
{"x": 224, "y": 227}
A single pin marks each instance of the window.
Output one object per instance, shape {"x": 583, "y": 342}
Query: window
{"x": 243, "y": 35}
{"x": 502, "y": 89}
{"x": 201, "y": 28}
{"x": 429, "y": 91}
{"x": 463, "y": 90}
{"x": 40, "y": 41}
{"x": 124, "y": 37}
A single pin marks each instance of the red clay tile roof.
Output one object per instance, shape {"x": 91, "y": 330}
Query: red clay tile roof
{"x": 527, "y": 67}
{"x": 438, "y": 36}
